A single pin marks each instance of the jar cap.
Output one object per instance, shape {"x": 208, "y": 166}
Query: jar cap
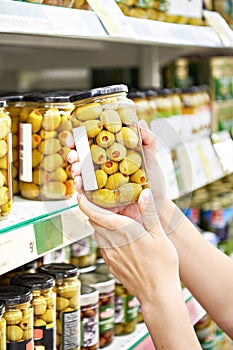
{"x": 11, "y": 295}
{"x": 163, "y": 92}
{"x": 59, "y": 270}
{"x": 107, "y": 90}
{"x": 103, "y": 269}
{"x": 102, "y": 282}
{"x": 49, "y": 97}
{"x": 2, "y": 309}
{"x": 33, "y": 281}
{"x": 12, "y": 97}
{"x": 89, "y": 295}
{"x": 2, "y": 103}
{"x": 86, "y": 269}
{"x": 136, "y": 94}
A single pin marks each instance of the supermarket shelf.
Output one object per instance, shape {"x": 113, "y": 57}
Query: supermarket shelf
{"x": 34, "y": 228}
{"x": 140, "y": 339}
{"x": 26, "y": 24}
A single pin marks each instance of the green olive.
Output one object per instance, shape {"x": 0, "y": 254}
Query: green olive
{"x": 101, "y": 178}
{"x": 5, "y": 125}
{"x": 118, "y": 328}
{"x": 116, "y": 180}
{"x": 47, "y": 134}
{"x": 105, "y": 138}
{"x": 73, "y": 302}
{"x": 130, "y": 326}
{"x": 36, "y": 157}
{"x": 127, "y": 137}
{"x": 39, "y": 305}
{"x": 139, "y": 177}
{"x": 88, "y": 111}
{"x": 48, "y": 316}
{"x": 53, "y": 190}
{"x": 39, "y": 323}
{"x": 116, "y": 152}
{"x": 128, "y": 115}
{"x": 13, "y": 317}
{"x": 51, "y": 120}
{"x": 128, "y": 193}
{"x": 111, "y": 120}
{"x": 104, "y": 198}
{"x": 110, "y": 167}
{"x": 93, "y": 127}
{"x": 131, "y": 163}
{"x": 3, "y": 148}
{"x": 63, "y": 135}
{"x": 59, "y": 175}
{"x": 69, "y": 292}
{"x": 59, "y": 326}
{"x": 4, "y": 195}
{"x": 61, "y": 303}
{"x": 29, "y": 190}
{"x": 98, "y": 154}
{"x": 49, "y": 146}
{"x": 40, "y": 177}
{"x": 35, "y": 118}
{"x": 26, "y": 322}
{"x": 14, "y": 333}
{"x": 58, "y": 340}
{"x": 28, "y": 334}
{"x": 51, "y": 162}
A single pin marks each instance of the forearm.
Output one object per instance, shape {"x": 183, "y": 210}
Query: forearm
{"x": 168, "y": 321}
{"x": 206, "y": 271}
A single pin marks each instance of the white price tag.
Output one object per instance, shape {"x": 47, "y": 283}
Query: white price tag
{"x": 223, "y": 145}
{"x": 218, "y": 23}
{"x": 17, "y": 248}
{"x": 112, "y": 18}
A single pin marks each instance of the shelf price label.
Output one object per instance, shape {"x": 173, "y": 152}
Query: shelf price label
{"x": 218, "y": 23}
{"x": 17, "y": 248}
{"x": 113, "y": 19}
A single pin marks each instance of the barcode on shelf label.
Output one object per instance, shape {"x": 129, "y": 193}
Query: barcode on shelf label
{"x": 17, "y": 248}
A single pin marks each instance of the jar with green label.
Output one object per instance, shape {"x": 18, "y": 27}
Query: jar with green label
{"x": 105, "y": 129}
{"x": 6, "y": 194}
{"x": 67, "y": 289}
{"x": 89, "y": 301}
{"x": 2, "y": 328}
{"x": 83, "y": 252}
{"x": 45, "y": 124}
{"x": 106, "y": 287}
{"x": 19, "y": 317}
{"x": 126, "y": 310}
{"x": 44, "y": 307}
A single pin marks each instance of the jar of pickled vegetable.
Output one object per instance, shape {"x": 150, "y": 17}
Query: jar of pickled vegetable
{"x": 141, "y": 104}
{"x": 163, "y": 103}
{"x": 105, "y": 285}
{"x": 89, "y": 300}
{"x": 6, "y": 195}
{"x": 83, "y": 252}
{"x": 14, "y": 104}
{"x": 19, "y": 317}
{"x": 44, "y": 307}
{"x": 2, "y": 328}
{"x": 45, "y": 124}
{"x": 67, "y": 289}
{"x": 105, "y": 129}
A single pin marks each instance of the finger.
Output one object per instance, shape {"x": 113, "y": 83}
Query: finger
{"x": 148, "y": 137}
{"x": 78, "y": 184}
{"x": 72, "y": 156}
{"x": 70, "y": 141}
{"x": 76, "y": 169}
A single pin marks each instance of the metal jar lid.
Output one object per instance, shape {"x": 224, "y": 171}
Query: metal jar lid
{"x": 101, "y": 91}
{"x": 89, "y": 295}
{"x": 60, "y": 270}
{"x": 103, "y": 283}
{"x": 33, "y": 281}
{"x": 14, "y": 295}
{"x": 2, "y": 309}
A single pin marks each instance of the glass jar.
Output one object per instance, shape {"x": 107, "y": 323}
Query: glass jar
{"x": 14, "y": 104}
{"x": 44, "y": 307}
{"x": 26, "y": 268}
{"x": 163, "y": 103}
{"x": 151, "y": 100}
{"x": 67, "y": 289}
{"x": 2, "y": 328}
{"x": 89, "y": 300}
{"x": 83, "y": 252}
{"x": 175, "y": 97}
{"x": 6, "y": 195}
{"x": 105, "y": 285}
{"x": 19, "y": 317}
{"x": 45, "y": 124}
{"x": 105, "y": 128}
{"x": 142, "y": 105}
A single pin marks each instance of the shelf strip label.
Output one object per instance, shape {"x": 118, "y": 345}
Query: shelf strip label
{"x": 218, "y": 23}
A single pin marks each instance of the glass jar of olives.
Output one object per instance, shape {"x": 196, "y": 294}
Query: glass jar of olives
{"x": 83, "y": 252}
{"x": 2, "y": 328}
{"x": 108, "y": 142}
{"x": 44, "y": 307}
{"x": 126, "y": 310}
{"x": 6, "y": 195}
{"x": 89, "y": 318}
{"x": 141, "y": 104}
{"x": 67, "y": 289}
{"x": 5, "y": 279}
{"x": 19, "y": 317}
{"x": 45, "y": 124}
{"x": 14, "y": 104}
{"x": 105, "y": 285}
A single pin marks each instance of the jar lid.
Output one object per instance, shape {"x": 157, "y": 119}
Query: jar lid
{"x": 49, "y": 97}
{"x": 33, "y": 281}
{"x": 12, "y": 97}
{"x": 107, "y": 90}
{"x": 102, "y": 282}
{"x": 12, "y": 295}
{"x": 136, "y": 94}
{"x": 86, "y": 269}
{"x": 2, "y": 103}
{"x": 103, "y": 269}
{"x": 60, "y": 270}
{"x": 163, "y": 92}
{"x": 176, "y": 90}
{"x": 89, "y": 295}
{"x": 150, "y": 92}
{"x": 26, "y": 267}
{"x": 2, "y": 309}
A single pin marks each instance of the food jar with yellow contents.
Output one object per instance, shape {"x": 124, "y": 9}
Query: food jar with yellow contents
{"x": 2, "y": 328}
{"x": 89, "y": 300}
{"x": 14, "y": 104}
{"x": 141, "y": 104}
{"x": 84, "y": 252}
{"x": 105, "y": 129}
{"x": 26, "y": 268}
{"x": 44, "y": 307}
{"x": 163, "y": 103}
{"x": 19, "y": 317}
{"x": 6, "y": 194}
{"x": 106, "y": 287}
{"x": 67, "y": 289}
{"x": 45, "y": 124}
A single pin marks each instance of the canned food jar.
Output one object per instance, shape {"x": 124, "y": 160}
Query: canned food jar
{"x": 2, "y": 328}
{"x": 45, "y": 124}
{"x": 19, "y": 317}
{"x": 164, "y": 103}
{"x": 67, "y": 289}
{"x": 84, "y": 252}
{"x": 14, "y": 104}
{"x": 6, "y": 195}
{"x": 44, "y": 307}
{"x": 89, "y": 301}
{"x": 106, "y": 287}
{"x": 105, "y": 128}
{"x": 141, "y": 103}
